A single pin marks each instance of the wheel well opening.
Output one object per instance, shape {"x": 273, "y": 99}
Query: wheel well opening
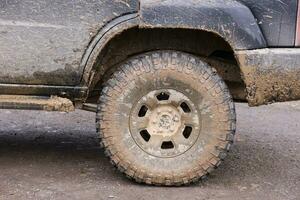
{"x": 214, "y": 49}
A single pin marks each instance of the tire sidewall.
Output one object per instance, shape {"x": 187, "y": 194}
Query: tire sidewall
{"x": 186, "y": 74}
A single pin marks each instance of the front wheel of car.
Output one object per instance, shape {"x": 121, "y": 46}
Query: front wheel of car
{"x": 166, "y": 118}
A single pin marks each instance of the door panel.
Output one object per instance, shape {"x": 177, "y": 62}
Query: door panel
{"x": 277, "y": 19}
{"x": 42, "y": 41}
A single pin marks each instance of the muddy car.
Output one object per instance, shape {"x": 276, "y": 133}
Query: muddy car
{"x": 161, "y": 76}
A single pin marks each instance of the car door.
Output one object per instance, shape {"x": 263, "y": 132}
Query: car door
{"x": 43, "y": 41}
{"x": 277, "y": 20}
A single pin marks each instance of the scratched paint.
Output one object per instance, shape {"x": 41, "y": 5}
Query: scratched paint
{"x": 229, "y": 19}
{"x": 276, "y": 18}
{"x": 42, "y": 42}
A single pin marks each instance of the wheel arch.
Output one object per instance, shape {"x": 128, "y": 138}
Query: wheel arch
{"x": 231, "y": 20}
{"x": 239, "y": 38}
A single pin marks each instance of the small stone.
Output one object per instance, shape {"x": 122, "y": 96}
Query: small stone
{"x": 242, "y": 188}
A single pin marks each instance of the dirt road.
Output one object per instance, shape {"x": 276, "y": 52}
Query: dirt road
{"x": 56, "y": 156}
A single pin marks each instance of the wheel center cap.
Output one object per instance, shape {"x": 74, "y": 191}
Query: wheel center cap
{"x": 164, "y": 120}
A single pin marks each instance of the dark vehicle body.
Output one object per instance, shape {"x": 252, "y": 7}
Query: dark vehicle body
{"x": 48, "y": 47}
{"x": 69, "y": 50}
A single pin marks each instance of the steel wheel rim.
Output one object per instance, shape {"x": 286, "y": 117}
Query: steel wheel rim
{"x": 165, "y": 123}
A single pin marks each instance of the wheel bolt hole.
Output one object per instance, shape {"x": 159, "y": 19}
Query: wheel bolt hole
{"x": 145, "y": 135}
{"x": 184, "y": 106}
{"x": 187, "y": 132}
{"x": 163, "y": 96}
{"x": 167, "y": 145}
{"x": 143, "y": 111}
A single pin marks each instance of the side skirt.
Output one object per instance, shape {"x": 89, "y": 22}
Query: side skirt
{"x": 270, "y": 75}
{"x": 74, "y": 93}
{"x": 26, "y": 102}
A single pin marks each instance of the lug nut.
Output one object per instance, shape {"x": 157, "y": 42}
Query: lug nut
{"x": 176, "y": 119}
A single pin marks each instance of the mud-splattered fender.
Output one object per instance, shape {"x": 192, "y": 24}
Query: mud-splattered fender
{"x": 229, "y": 19}
{"x": 270, "y": 75}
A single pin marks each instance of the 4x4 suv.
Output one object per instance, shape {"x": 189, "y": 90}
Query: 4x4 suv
{"x": 160, "y": 74}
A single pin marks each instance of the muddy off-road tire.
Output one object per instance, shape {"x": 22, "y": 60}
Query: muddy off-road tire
{"x": 166, "y": 118}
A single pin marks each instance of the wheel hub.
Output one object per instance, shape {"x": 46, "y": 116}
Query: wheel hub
{"x": 165, "y": 120}
{"x": 165, "y": 123}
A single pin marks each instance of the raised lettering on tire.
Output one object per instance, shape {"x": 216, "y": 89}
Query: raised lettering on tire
{"x": 165, "y": 118}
